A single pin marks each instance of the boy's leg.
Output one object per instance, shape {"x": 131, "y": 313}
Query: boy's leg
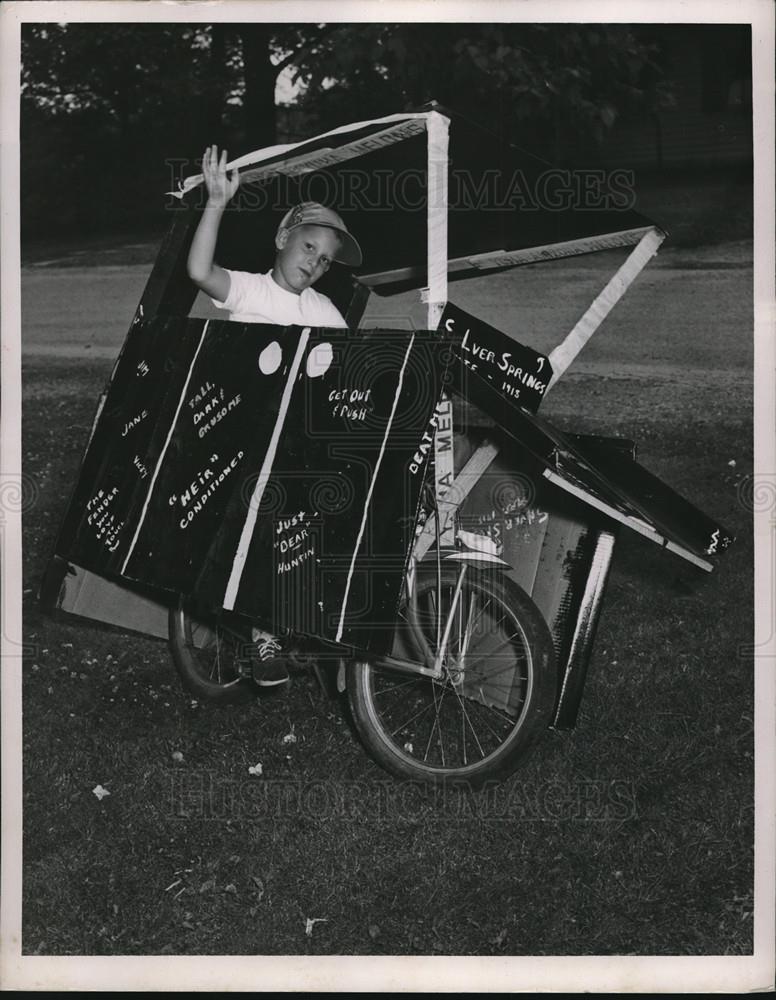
{"x": 268, "y": 662}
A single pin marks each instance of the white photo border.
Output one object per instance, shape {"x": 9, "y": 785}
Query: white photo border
{"x": 367, "y": 974}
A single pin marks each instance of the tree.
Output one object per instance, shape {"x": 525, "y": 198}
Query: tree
{"x": 95, "y": 145}
{"x": 96, "y": 142}
{"x": 559, "y": 78}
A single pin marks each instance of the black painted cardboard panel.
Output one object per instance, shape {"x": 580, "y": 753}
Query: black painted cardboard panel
{"x": 267, "y": 470}
{"x": 517, "y": 372}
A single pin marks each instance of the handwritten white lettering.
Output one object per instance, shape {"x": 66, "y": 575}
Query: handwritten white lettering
{"x": 134, "y": 422}
{"x": 198, "y": 497}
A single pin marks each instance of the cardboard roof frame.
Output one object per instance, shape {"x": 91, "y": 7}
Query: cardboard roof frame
{"x": 308, "y": 155}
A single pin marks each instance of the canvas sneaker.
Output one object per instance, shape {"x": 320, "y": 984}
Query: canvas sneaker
{"x": 268, "y": 664}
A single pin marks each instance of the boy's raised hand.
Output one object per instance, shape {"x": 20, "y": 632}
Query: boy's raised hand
{"x": 220, "y": 185}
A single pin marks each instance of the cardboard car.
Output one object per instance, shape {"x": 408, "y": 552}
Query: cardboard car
{"x": 277, "y": 472}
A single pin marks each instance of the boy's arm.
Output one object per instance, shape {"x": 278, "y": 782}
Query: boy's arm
{"x": 203, "y": 271}
{"x": 212, "y": 279}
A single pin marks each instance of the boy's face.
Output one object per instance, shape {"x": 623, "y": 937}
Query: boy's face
{"x": 304, "y": 254}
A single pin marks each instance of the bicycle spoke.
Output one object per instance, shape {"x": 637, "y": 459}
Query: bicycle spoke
{"x": 412, "y": 718}
{"x": 437, "y": 706}
{"x": 428, "y": 743}
{"x": 464, "y": 647}
{"x": 217, "y": 661}
{"x": 489, "y": 654}
{"x": 493, "y": 711}
{"x": 216, "y": 647}
{"x": 495, "y": 625}
{"x": 500, "y": 714}
{"x": 397, "y": 687}
{"x": 463, "y": 739}
{"x": 463, "y": 709}
{"x": 456, "y": 724}
{"x": 482, "y": 612}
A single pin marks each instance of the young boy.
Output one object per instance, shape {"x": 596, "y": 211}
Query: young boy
{"x": 309, "y": 239}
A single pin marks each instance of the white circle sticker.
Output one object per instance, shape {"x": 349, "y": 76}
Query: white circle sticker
{"x": 319, "y": 360}
{"x": 270, "y": 358}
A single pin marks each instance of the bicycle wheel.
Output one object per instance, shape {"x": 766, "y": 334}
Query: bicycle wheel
{"x": 495, "y": 696}
{"x": 209, "y": 657}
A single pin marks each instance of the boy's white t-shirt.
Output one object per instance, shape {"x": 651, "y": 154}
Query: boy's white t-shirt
{"x": 258, "y": 298}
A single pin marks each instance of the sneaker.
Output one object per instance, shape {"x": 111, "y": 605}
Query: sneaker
{"x": 268, "y": 666}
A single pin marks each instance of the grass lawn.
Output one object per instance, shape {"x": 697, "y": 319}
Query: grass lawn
{"x": 630, "y": 835}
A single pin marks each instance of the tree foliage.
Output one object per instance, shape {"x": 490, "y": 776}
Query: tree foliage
{"x": 560, "y": 79}
{"x": 107, "y": 107}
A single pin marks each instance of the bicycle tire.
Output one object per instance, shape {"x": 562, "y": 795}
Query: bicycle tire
{"x": 403, "y": 732}
{"x": 207, "y": 657}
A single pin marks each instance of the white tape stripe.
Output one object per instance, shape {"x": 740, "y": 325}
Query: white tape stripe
{"x": 475, "y": 557}
{"x": 371, "y": 489}
{"x": 512, "y": 258}
{"x": 97, "y": 415}
{"x": 444, "y": 467}
{"x": 591, "y": 599}
{"x": 329, "y": 156}
{"x": 632, "y": 522}
{"x": 438, "y": 128}
{"x": 249, "y": 526}
{"x": 562, "y": 356}
{"x": 164, "y": 449}
{"x": 553, "y": 251}
{"x": 462, "y": 485}
{"x": 262, "y": 154}
{"x": 259, "y": 155}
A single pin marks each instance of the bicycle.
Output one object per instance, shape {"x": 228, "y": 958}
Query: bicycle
{"x": 469, "y": 684}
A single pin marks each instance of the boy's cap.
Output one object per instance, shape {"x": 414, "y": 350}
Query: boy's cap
{"x": 312, "y": 213}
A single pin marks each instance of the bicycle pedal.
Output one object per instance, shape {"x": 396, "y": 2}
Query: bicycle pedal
{"x": 300, "y": 660}
{"x": 244, "y": 668}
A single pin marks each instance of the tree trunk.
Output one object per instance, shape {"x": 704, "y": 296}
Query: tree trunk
{"x": 260, "y": 76}
{"x": 215, "y": 97}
